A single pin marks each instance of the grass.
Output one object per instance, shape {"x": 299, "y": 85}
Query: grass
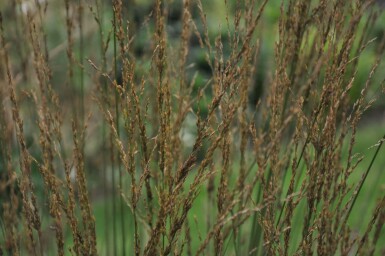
{"x": 159, "y": 128}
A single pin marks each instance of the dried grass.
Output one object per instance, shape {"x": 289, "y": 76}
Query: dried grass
{"x": 269, "y": 179}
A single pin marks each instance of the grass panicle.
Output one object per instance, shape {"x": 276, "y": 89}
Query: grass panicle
{"x": 191, "y": 127}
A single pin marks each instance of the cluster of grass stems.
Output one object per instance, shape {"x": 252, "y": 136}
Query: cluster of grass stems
{"x": 271, "y": 177}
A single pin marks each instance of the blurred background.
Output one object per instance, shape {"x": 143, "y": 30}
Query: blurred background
{"x": 73, "y": 54}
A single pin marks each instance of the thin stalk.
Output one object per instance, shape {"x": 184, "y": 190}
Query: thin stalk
{"x": 257, "y": 230}
{"x": 113, "y": 169}
{"x": 307, "y": 141}
{"x": 81, "y": 61}
{"x": 377, "y": 184}
{"x": 121, "y": 202}
{"x": 254, "y": 232}
{"x": 100, "y": 11}
{"x": 113, "y": 196}
{"x": 357, "y": 192}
